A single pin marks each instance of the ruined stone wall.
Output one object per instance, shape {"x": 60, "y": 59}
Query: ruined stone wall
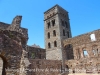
{"x": 86, "y": 51}
{"x": 44, "y": 67}
{"x": 5, "y": 26}
{"x": 36, "y": 53}
{"x": 11, "y": 47}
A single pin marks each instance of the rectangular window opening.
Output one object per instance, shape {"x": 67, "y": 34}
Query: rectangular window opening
{"x": 85, "y": 53}
{"x": 92, "y": 36}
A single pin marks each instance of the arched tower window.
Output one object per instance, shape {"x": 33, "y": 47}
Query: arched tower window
{"x": 55, "y": 43}
{"x": 53, "y": 22}
{"x": 63, "y": 32}
{"x": 54, "y": 33}
{"x": 48, "y": 35}
{"x": 48, "y": 25}
{"x": 49, "y": 45}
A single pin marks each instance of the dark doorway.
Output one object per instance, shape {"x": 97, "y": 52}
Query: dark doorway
{"x": 69, "y": 52}
{"x": 3, "y": 65}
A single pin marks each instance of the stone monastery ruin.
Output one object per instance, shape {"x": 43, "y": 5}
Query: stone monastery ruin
{"x": 63, "y": 54}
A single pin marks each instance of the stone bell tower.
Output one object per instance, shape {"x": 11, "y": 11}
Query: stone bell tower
{"x": 57, "y": 28}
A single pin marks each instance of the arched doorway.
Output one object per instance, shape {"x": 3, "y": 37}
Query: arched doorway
{"x": 3, "y": 65}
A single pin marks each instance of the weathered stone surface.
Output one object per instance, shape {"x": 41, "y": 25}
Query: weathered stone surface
{"x": 11, "y": 45}
{"x": 44, "y": 67}
{"x": 80, "y": 43}
{"x": 36, "y": 53}
{"x": 15, "y": 26}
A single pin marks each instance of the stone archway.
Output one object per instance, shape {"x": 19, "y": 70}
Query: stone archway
{"x": 3, "y": 65}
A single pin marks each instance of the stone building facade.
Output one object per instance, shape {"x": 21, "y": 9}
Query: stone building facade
{"x": 85, "y": 50}
{"x": 63, "y": 54}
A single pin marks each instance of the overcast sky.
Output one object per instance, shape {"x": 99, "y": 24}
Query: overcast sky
{"x": 84, "y": 15}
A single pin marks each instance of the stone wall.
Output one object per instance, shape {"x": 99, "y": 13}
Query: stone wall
{"x": 44, "y": 67}
{"x": 86, "y": 52}
{"x": 83, "y": 74}
{"x": 3, "y": 25}
{"x": 11, "y": 47}
{"x": 14, "y": 27}
{"x": 36, "y": 53}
